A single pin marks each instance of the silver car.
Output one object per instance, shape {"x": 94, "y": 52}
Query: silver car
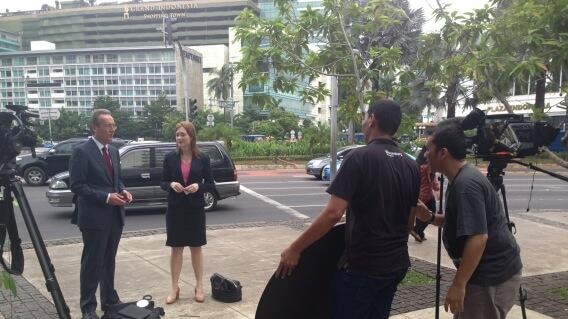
{"x": 141, "y": 165}
{"x": 315, "y": 166}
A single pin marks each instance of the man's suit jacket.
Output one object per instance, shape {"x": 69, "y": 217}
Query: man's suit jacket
{"x": 199, "y": 173}
{"x": 91, "y": 185}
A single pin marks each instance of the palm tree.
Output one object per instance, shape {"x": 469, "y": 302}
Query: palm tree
{"x": 222, "y": 84}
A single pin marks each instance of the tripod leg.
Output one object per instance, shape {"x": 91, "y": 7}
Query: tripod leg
{"x": 40, "y": 250}
{"x": 8, "y": 219}
{"x": 522, "y": 291}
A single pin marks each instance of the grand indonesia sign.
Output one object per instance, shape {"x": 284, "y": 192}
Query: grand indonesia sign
{"x": 158, "y": 11}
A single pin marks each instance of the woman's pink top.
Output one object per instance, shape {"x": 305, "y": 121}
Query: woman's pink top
{"x": 185, "y": 168}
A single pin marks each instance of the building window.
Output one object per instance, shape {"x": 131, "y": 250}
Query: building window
{"x": 154, "y": 69}
{"x": 84, "y": 71}
{"x": 6, "y": 62}
{"x": 169, "y": 69}
{"x": 44, "y": 93}
{"x": 43, "y": 71}
{"x": 99, "y": 82}
{"x": 125, "y": 57}
{"x": 126, "y": 81}
{"x": 70, "y": 71}
{"x": 112, "y": 58}
{"x": 112, "y": 92}
{"x": 84, "y": 59}
{"x": 140, "y": 57}
{"x": 71, "y": 59}
{"x": 98, "y": 71}
{"x": 141, "y": 92}
{"x": 71, "y": 93}
{"x": 111, "y": 70}
{"x": 18, "y": 61}
{"x": 98, "y": 58}
{"x": 140, "y": 81}
{"x": 140, "y": 69}
{"x": 98, "y": 92}
{"x": 57, "y": 59}
{"x": 71, "y": 82}
{"x": 85, "y": 92}
{"x": 125, "y": 70}
{"x": 18, "y": 73}
{"x": 43, "y": 59}
{"x": 31, "y": 60}
{"x": 112, "y": 82}
{"x": 84, "y": 82}
{"x": 155, "y": 81}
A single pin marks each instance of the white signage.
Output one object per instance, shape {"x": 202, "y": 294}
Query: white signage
{"x": 52, "y": 114}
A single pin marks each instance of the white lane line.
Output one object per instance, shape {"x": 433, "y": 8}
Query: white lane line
{"x": 286, "y": 209}
{"x": 305, "y": 194}
{"x": 301, "y": 187}
{"x": 300, "y": 206}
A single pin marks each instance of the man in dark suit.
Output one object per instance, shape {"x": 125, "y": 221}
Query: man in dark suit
{"x": 94, "y": 170}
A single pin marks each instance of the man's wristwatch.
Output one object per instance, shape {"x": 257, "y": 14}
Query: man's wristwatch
{"x": 432, "y": 217}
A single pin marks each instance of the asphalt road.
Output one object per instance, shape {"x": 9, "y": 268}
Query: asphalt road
{"x": 279, "y": 196}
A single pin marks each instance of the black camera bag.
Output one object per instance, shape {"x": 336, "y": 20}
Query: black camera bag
{"x": 224, "y": 289}
{"x": 129, "y": 310}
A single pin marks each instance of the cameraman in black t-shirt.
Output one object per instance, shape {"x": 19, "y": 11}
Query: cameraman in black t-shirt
{"x": 475, "y": 233}
{"x": 378, "y": 185}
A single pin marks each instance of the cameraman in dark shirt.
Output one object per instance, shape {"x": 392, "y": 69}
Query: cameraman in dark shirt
{"x": 475, "y": 233}
{"x": 378, "y": 185}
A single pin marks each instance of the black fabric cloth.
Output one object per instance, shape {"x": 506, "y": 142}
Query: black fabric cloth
{"x": 185, "y": 216}
{"x": 100, "y": 223}
{"x": 473, "y": 207}
{"x": 185, "y": 227}
{"x": 381, "y": 184}
{"x": 98, "y": 266}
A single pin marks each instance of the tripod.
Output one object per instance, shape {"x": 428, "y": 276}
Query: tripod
{"x": 11, "y": 185}
{"x": 495, "y": 172}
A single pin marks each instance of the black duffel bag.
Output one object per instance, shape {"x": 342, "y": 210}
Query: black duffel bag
{"x": 225, "y": 290}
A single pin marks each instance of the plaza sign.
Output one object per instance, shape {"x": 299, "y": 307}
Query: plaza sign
{"x": 159, "y": 11}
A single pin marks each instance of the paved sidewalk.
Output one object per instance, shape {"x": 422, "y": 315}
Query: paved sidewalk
{"x": 250, "y": 253}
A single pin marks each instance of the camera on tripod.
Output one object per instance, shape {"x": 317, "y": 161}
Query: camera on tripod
{"x": 506, "y": 135}
{"x": 16, "y": 131}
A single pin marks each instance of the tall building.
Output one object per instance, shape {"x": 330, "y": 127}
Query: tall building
{"x": 77, "y": 25}
{"x": 10, "y": 41}
{"x": 74, "y": 78}
{"x": 290, "y": 101}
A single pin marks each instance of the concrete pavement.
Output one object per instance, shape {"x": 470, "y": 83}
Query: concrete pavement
{"x": 250, "y": 253}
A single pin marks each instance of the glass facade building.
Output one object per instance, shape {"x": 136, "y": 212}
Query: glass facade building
{"x": 73, "y": 79}
{"x": 289, "y": 101}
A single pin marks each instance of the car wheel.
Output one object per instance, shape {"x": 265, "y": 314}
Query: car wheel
{"x": 210, "y": 201}
{"x": 35, "y": 176}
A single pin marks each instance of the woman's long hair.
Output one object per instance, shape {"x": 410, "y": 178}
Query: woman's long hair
{"x": 190, "y": 130}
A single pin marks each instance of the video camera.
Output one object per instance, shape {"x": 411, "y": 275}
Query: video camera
{"x": 507, "y": 135}
{"x": 16, "y": 131}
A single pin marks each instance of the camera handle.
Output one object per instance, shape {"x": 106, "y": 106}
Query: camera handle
{"x": 495, "y": 172}
{"x": 15, "y": 186}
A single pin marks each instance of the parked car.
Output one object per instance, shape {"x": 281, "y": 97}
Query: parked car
{"x": 326, "y": 171}
{"x": 37, "y": 170}
{"x": 141, "y": 168}
{"x": 315, "y": 166}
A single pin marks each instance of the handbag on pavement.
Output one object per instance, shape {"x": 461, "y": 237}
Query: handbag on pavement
{"x": 225, "y": 289}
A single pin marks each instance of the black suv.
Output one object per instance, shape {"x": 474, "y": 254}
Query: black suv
{"x": 36, "y": 171}
{"x": 142, "y": 164}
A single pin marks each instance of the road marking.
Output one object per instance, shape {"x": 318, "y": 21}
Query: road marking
{"x": 276, "y": 204}
{"x": 304, "y": 194}
{"x": 299, "y": 206}
{"x": 301, "y": 187}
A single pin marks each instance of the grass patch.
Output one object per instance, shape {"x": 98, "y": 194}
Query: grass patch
{"x": 561, "y": 292}
{"x": 414, "y": 278}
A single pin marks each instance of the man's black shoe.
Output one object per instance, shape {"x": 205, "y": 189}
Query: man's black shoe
{"x": 105, "y": 307}
{"x": 90, "y": 315}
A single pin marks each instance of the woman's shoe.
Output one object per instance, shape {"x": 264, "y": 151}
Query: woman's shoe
{"x": 170, "y": 300}
{"x": 199, "y": 299}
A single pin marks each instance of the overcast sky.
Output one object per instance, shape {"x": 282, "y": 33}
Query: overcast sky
{"x": 428, "y": 5}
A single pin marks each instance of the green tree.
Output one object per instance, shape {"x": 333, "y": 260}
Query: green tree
{"x": 121, "y": 118}
{"x": 70, "y": 124}
{"x": 155, "y": 114}
{"x": 221, "y": 84}
{"x": 169, "y": 124}
{"x": 356, "y": 41}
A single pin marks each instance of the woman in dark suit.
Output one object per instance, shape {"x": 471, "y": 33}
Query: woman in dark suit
{"x": 186, "y": 176}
